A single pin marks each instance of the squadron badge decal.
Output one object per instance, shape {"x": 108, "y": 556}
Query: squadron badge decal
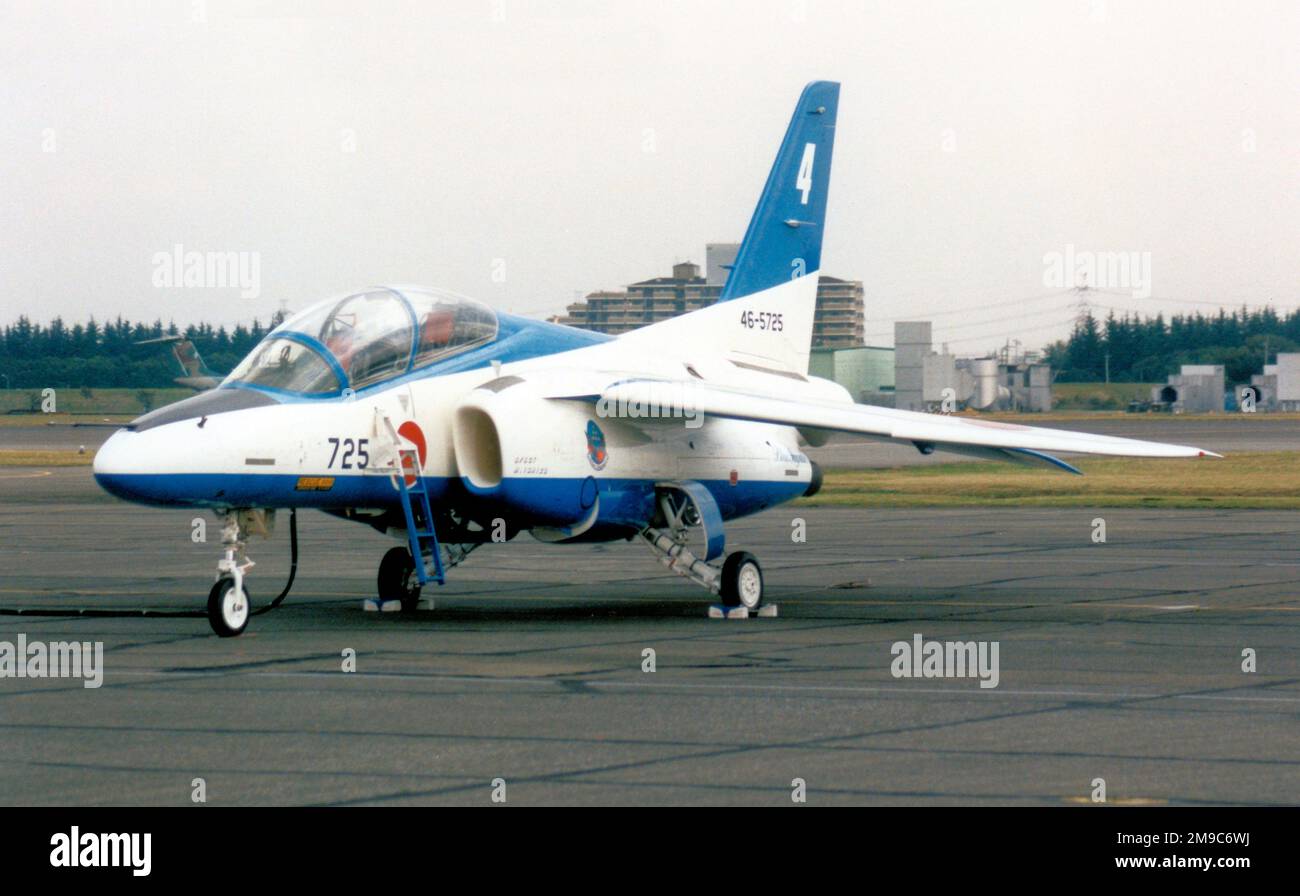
{"x": 596, "y": 451}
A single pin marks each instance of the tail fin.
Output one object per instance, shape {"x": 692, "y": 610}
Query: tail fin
{"x": 188, "y": 357}
{"x": 764, "y": 315}
{"x": 784, "y": 239}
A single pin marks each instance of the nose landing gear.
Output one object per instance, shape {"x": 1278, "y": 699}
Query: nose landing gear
{"x": 228, "y": 599}
{"x": 229, "y": 608}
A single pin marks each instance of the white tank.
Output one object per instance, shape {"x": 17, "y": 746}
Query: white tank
{"x": 987, "y": 391}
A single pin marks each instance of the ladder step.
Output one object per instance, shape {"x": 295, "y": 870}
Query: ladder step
{"x": 422, "y": 534}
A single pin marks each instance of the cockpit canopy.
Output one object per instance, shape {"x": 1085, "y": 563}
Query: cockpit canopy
{"x": 364, "y": 339}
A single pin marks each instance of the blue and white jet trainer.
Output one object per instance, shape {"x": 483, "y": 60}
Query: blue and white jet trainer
{"x": 448, "y": 425}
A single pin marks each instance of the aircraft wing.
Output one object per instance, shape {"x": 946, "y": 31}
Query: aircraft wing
{"x": 964, "y": 435}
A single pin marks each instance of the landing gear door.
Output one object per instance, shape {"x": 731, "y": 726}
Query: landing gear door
{"x": 703, "y": 512}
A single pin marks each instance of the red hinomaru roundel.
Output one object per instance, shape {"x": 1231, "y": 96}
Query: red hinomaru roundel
{"x": 410, "y": 430}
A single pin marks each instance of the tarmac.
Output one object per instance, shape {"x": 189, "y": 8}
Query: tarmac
{"x": 1120, "y": 661}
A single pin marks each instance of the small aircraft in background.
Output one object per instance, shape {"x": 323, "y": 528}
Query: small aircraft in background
{"x": 194, "y": 373}
{"x": 448, "y": 425}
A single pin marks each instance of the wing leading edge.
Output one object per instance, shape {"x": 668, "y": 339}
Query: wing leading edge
{"x": 964, "y": 435}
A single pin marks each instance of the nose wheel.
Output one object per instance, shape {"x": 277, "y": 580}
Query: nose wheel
{"x": 228, "y": 607}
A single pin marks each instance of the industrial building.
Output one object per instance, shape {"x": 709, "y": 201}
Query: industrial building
{"x": 926, "y": 380}
{"x": 1028, "y": 382}
{"x": 866, "y": 371}
{"x": 1196, "y": 388}
{"x": 838, "y": 322}
{"x": 1278, "y": 387}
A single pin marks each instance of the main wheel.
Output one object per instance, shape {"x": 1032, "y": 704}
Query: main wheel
{"x": 228, "y": 608}
{"x": 742, "y": 581}
{"x": 397, "y": 579}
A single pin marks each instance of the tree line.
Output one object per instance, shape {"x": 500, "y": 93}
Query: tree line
{"x": 106, "y": 355}
{"x": 1138, "y": 349}
{"x": 1147, "y": 349}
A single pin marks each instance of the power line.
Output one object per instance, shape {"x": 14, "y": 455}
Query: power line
{"x": 972, "y": 325}
{"x": 1058, "y": 324}
{"x": 967, "y": 310}
{"x": 1084, "y": 307}
{"x": 1205, "y": 302}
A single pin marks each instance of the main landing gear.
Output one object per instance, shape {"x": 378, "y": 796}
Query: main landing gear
{"x": 742, "y": 581}
{"x": 738, "y": 582}
{"x": 397, "y": 580}
{"x": 399, "y": 586}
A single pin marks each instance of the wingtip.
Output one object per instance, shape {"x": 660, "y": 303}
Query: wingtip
{"x": 1203, "y": 453}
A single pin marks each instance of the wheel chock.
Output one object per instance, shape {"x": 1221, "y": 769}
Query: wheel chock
{"x": 718, "y": 611}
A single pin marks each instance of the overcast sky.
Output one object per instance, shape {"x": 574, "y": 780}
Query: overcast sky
{"x": 521, "y": 153}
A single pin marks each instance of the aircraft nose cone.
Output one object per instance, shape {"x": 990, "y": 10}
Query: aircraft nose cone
{"x": 169, "y": 457}
{"x": 115, "y": 463}
{"x": 108, "y": 456}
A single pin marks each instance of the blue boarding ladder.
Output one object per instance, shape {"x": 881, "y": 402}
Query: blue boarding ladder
{"x": 421, "y": 533}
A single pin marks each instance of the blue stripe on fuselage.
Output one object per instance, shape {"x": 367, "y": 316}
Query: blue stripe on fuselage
{"x": 281, "y": 490}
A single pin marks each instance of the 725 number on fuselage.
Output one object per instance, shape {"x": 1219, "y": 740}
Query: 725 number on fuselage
{"x": 352, "y": 448}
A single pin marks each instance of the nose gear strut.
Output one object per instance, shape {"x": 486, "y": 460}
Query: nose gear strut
{"x": 229, "y": 607}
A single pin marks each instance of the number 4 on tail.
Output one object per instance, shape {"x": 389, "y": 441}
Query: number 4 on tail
{"x": 803, "y": 183}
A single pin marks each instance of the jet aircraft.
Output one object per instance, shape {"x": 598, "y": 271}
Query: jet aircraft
{"x": 448, "y": 425}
